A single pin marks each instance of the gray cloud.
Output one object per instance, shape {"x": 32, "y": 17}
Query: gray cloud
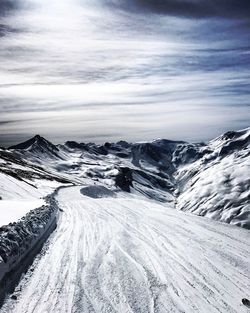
{"x": 8, "y": 5}
{"x": 192, "y": 8}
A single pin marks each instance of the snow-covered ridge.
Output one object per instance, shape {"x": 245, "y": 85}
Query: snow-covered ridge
{"x": 209, "y": 179}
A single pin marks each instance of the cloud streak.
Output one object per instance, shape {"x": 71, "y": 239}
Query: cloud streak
{"x": 71, "y": 69}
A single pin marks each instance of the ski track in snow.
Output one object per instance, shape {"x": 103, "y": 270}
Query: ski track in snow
{"x": 131, "y": 255}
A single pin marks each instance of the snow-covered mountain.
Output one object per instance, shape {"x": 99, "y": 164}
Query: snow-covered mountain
{"x": 208, "y": 179}
{"x": 122, "y": 241}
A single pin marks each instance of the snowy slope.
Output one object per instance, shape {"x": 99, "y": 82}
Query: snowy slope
{"x": 218, "y": 184}
{"x": 22, "y": 186}
{"x": 124, "y": 242}
{"x": 120, "y": 253}
{"x": 208, "y": 179}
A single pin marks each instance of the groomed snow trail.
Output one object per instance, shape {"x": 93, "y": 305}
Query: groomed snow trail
{"x": 125, "y": 255}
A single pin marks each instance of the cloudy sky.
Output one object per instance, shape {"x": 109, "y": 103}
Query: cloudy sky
{"x": 105, "y": 70}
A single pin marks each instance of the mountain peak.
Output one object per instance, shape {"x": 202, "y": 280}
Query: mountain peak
{"x": 38, "y": 137}
{"x": 35, "y": 143}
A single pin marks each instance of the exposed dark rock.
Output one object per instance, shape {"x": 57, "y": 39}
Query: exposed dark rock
{"x": 76, "y": 145}
{"x": 124, "y": 179}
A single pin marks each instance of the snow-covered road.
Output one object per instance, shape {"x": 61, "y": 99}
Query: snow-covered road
{"x": 125, "y": 254}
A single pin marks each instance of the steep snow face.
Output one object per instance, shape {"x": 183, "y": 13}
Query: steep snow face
{"x": 206, "y": 179}
{"x": 128, "y": 254}
{"x": 218, "y": 184}
{"x": 221, "y": 190}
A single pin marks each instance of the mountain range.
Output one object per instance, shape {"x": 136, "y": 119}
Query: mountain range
{"x": 207, "y": 179}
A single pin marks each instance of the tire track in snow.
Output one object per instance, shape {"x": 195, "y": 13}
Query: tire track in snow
{"x": 129, "y": 255}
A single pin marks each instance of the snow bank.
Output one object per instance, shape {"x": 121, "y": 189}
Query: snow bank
{"x": 19, "y": 242}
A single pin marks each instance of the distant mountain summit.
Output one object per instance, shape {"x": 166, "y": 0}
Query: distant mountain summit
{"x": 37, "y": 145}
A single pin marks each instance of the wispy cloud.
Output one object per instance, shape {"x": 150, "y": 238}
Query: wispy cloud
{"x": 71, "y": 69}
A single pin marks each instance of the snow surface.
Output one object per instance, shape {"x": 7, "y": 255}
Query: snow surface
{"x": 221, "y": 191}
{"x": 12, "y": 188}
{"x": 129, "y": 255}
{"x": 12, "y": 210}
{"x": 120, "y": 245}
{"x": 20, "y": 196}
{"x": 218, "y": 185}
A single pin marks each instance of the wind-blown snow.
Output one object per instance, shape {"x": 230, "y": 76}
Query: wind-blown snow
{"x": 126, "y": 254}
